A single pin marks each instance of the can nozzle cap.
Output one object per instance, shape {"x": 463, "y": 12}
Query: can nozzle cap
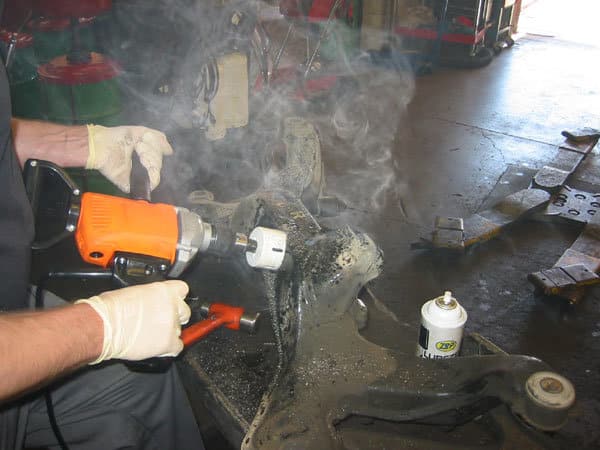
{"x": 446, "y": 301}
{"x": 448, "y": 297}
{"x": 445, "y": 308}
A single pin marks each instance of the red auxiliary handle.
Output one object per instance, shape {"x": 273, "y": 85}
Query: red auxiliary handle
{"x": 219, "y": 315}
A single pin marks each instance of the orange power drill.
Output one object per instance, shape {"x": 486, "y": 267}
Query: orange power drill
{"x": 139, "y": 240}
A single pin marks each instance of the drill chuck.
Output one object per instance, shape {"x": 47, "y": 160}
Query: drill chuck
{"x": 224, "y": 242}
{"x": 263, "y": 249}
{"x": 194, "y": 236}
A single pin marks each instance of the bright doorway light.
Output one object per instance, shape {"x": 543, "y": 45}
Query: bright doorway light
{"x": 573, "y": 20}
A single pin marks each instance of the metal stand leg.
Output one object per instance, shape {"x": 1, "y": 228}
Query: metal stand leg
{"x": 324, "y": 31}
{"x": 283, "y": 46}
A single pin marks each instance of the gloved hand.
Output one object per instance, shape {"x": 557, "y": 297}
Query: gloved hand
{"x": 142, "y": 321}
{"x": 111, "y": 149}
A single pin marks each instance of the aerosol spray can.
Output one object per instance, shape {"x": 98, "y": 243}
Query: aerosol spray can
{"x": 442, "y": 324}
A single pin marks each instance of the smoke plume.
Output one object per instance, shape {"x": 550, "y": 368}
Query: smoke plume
{"x": 163, "y": 48}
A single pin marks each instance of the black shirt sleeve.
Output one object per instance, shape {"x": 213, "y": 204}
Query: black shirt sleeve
{"x": 16, "y": 218}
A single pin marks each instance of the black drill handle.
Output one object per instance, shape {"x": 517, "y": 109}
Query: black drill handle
{"x": 54, "y": 198}
{"x": 139, "y": 180}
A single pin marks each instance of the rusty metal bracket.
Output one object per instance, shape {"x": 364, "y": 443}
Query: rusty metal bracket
{"x": 575, "y": 205}
{"x": 487, "y": 224}
{"x": 577, "y": 145}
{"x": 582, "y": 135}
{"x": 449, "y": 233}
{"x": 558, "y": 279}
{"x": 455, "y": 233}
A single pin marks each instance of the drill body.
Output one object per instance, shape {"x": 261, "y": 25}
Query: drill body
{"x": 108, "y": 226}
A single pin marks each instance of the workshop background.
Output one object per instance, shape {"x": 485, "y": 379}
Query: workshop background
{"x": 463, "y": 103}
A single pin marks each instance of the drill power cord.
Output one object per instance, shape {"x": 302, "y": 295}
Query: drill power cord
{"x": 39, "y": 304}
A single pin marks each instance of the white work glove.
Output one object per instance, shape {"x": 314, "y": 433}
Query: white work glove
{"x": 142, "y": 321}
{"x": 111, "y": 149}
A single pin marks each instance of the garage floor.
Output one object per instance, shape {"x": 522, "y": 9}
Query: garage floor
{"x": 462, "y": 131}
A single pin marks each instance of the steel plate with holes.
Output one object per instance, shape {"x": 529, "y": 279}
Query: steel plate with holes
{"x": 572, "y": 204}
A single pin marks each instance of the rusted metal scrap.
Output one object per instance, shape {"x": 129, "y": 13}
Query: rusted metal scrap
{"x": 550, "y": 197}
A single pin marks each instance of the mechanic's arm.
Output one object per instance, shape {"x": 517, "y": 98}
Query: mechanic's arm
{"x": 64, "y": 145}
{"x": 36, "y": 347}
{"x": 134, "y": 323}
{"x": 107, "y": 149}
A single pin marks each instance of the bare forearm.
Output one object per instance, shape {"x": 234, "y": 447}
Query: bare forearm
{"x": 36, "y": 347}
{"x": 65, "y": 145}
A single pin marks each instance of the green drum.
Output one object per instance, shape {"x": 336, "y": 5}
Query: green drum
{"x": 80, "y": 89}
{"x": 22, "y": 75}
{"x": 55, "y": 36}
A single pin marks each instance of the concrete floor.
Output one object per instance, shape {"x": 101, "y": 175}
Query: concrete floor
{"x": 463, "y": 130}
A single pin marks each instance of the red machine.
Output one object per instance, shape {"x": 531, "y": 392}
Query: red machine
{"x": 70, "y": 8}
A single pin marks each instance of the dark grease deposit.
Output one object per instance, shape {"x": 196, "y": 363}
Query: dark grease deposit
{"x": 239, "y": 364}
